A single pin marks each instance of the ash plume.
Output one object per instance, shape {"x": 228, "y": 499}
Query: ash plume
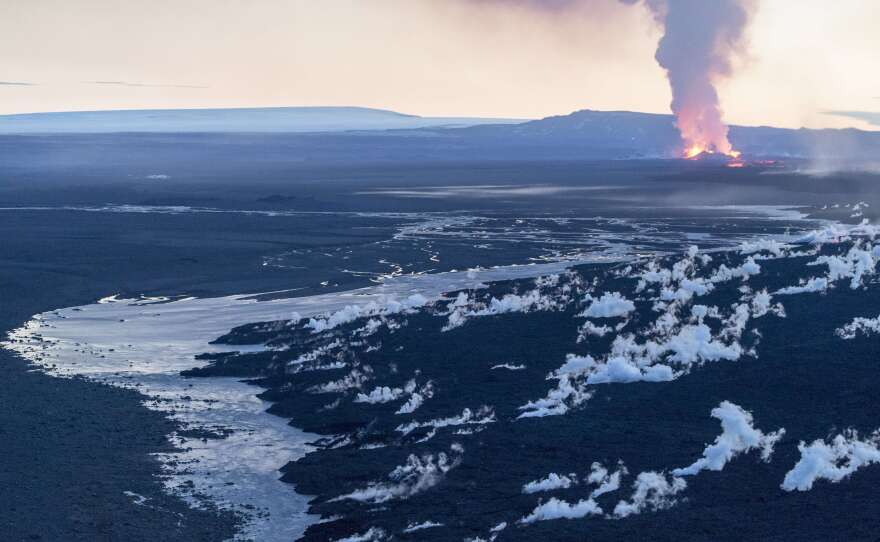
{"x": 701, "y": 37}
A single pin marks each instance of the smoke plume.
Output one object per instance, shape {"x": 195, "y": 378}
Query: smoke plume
{"x": 701, "y": 37}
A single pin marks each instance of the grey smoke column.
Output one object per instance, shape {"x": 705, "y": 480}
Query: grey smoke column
{"x": 700, "y": 39}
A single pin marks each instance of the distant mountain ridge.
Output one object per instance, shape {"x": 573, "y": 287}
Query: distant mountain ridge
{"x": 627, "y": 134}
{"x": 360, "y": 134}
{"x": 256, "y": 120}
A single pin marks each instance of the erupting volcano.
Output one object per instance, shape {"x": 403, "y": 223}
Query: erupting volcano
{"x": 697, "y": 151}
{"x": 699, "y": 42}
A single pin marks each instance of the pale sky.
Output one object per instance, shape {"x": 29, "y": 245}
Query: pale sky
{"x": 495, "y": 58}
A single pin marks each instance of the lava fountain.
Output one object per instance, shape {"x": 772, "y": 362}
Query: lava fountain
{"x": 700, "y": 40}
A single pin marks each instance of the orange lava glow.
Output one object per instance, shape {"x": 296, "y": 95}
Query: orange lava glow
{"x": 693, "y": 151}
{"x": 696, "y": 150}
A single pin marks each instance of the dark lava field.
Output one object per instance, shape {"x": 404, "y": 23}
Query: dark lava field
{"x": 642, "y": 390}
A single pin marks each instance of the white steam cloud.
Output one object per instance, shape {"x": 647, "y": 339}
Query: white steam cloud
{"x": 700, "y": 40}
